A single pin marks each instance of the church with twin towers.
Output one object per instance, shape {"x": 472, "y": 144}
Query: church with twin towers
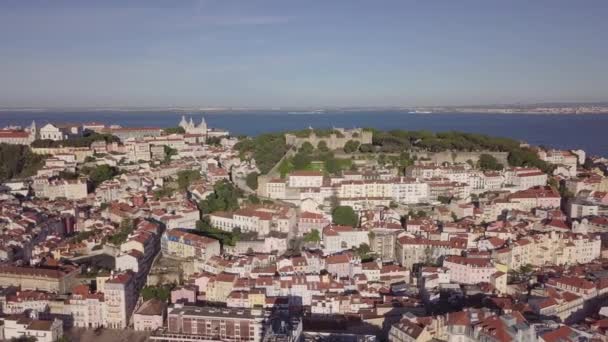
{"x": 191, "y": 128}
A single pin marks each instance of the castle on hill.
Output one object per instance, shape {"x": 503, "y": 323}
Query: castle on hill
{"x": 335, "y": 140}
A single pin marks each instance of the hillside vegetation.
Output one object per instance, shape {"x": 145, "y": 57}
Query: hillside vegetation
{"x": 398, "y": 140}
{"x": 18, "y": 161}
{"x": 85, "y": 141}
{"x": 267, "y": 149}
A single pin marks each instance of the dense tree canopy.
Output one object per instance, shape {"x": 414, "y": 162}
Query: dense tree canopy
{"x": 527, "y": 157}
{"x": 322, "y": 146}
{"x": 169, "y": 152}
{"x": 366, "y": 148}
{"x": 488, "y": 162}
{"x": 345, "y": 215}
{"x": 100, "y": 173}
{"x": 313, "y": 236}
{"x": 18, "y": 161}
{"x": 252, "y": 180}
{"x": 215, "y": 141}
{"x": 162, "y": 292}
{"x": 306, "y": 148}
{"x": 266, "y": 149}
{"x": 399, "y": 140}
{"x": 186, "y": 177}
{"x": 351, "y": 146}
{"x": 301, "y": 161}
{"x": 225, "y": 197}
{"x": 84, "y": 141}
{"x": 174, "y": 130}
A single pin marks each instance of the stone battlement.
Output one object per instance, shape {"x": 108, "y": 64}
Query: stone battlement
{"x": 335, "y": 140}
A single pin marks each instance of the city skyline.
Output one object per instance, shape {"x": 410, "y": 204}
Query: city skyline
{"x": 273, "y": 54}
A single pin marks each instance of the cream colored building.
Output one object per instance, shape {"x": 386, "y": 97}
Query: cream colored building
{"x": 149, "y": 316}
{"x": 61, "y": 188}
{"x": 52, "y": 132}
{"x": 305, "y": 179}
{"x": 182, "y": 244}
{"x": 550, "y": 249}
{"x": 29, "y": 278}
{"x": 220, "y": 287}
{"x": 120, "y": 298}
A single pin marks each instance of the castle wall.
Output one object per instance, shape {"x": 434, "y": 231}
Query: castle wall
{"x": 333, "y": 141}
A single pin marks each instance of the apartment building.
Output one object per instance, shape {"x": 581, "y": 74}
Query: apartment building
{"x": 192, "y": 323}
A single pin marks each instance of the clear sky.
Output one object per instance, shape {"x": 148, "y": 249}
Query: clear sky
{"x": 259, "y": 53}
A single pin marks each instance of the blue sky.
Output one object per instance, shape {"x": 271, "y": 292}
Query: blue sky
{"x": 275, "y": 53}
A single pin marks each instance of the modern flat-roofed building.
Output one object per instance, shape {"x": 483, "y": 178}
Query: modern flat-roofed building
{"x": 194, "y": 323}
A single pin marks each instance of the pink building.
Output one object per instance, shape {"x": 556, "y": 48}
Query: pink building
{"x": 184, "y": 294}
{"x": 465, "y": 270}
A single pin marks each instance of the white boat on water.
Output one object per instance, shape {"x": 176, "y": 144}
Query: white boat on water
{"x": 420, "y": 112}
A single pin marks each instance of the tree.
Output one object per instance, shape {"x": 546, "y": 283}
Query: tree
{"x": 266, "y": 149}
{"x": 313, "y": 236}
{"x": 126, "y": 227}
{"x": 169, "y": 152}
{"x": 488, "y": 162}
{"x": 253, "y": 199}
{"x": 366, "y": 148}
{"x": 301, "y": 161}
{"x": 214, "y": 141}
{"x": 165, "y": 191}
{"x": 332, "y": 166}
{"x": 162, "y": 292}
{"x": 100, "y": 173}
{"x": 17, "y": 161}
{"x": 204, "y": 228}
{"x": 306, "y": 148}
{"x": 322, "y": 146}
{"x": 552, "y": 182}
{"x": 405, "y": 160}
{"x": 364, "y": 252}
{"x": 527, "y": 157}
{"x": 382, "y": 159}
{"x": 252, "y": 180}
{"x": 564, "y": 192}
{"x": 85, "y": 140}
{"x": 588, "y": 164}
{"x": 187, "y": 177}
{"x": 351, "y": 146}
{"x": 444, "y": 199}
{"x": 225, "y": 197}
{"x": 345, "y": 215}
{"x": 174, "y": 130}
{"x": 454, "y": 217}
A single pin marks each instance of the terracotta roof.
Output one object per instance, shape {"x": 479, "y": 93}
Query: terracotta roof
{"x": 152, "y": 307}
{"x": 562, "y": 334}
